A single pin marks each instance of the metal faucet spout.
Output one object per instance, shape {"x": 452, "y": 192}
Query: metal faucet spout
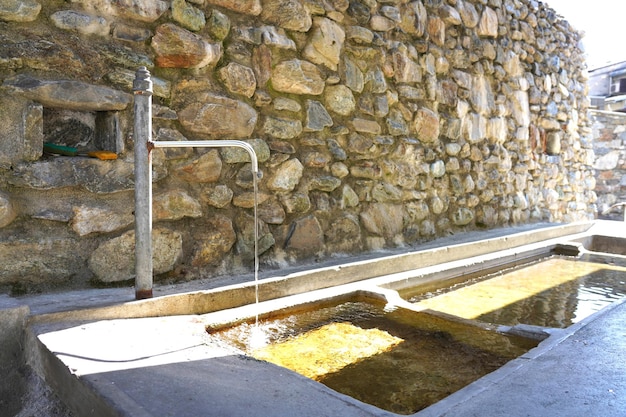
{"x": 142, "y": 88}
{"x": 622, "y": 204}
{"x": 212, "y": 144}
{"x": 143, "y": 201}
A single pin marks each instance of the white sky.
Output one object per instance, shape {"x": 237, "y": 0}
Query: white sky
{"x": 603, "y": 23}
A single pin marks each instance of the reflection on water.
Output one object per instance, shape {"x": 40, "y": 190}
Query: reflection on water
{"x": 555, "y": 292}
{"x": 397, "y": 360}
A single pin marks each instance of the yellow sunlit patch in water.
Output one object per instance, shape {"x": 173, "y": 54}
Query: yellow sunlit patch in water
{"x": 327, "y": 349}
{"x": 495, "y": 293}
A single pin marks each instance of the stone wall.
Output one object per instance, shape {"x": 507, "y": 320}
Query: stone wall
{"x": 609, "y": 133}
{"x": 378, "y": 124}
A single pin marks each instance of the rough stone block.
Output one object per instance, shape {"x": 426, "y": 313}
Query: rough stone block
{"x": 21, "y": 130}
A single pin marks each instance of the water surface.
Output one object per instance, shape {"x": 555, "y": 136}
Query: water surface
{"x": 398, "y": 360}
{"x": 554, "y": 292}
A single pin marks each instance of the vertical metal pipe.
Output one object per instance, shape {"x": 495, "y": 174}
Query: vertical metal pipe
{"x": 142, "y": 89}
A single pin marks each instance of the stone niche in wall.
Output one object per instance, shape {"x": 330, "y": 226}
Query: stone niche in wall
{"x": 83, "y": 130}
{"x": 62, "y": 112}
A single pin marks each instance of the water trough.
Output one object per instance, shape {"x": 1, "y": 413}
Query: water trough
{"x": 76, "y": 347}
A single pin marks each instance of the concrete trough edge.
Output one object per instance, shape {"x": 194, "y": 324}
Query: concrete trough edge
{"x": 204, "y": 301}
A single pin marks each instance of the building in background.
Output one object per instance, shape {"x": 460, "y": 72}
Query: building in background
{"x": 607, "y": 87}
{"x": 607, "y": 92}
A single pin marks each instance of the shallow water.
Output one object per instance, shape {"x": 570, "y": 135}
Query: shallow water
{"x": 554, "y": 292}
{"x": 397, "y": 360}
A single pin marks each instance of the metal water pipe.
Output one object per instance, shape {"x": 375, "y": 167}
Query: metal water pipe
{"x": 142, "y": 87}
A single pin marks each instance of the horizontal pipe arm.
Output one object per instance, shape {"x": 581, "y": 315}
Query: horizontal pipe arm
{"x": 211, "y": 144}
